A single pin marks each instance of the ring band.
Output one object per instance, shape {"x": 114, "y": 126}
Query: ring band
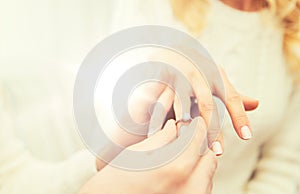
{"x": 184, "y": 121}
{"x": 183, "y": 124}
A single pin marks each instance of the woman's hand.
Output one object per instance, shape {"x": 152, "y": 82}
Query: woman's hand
{"x": 204, "y": 83}
{"x": 142, "y": 109}
{"x": 189, "y": 173}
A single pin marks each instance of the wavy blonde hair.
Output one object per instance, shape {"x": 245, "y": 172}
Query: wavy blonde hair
{"x": 192, "y": 13}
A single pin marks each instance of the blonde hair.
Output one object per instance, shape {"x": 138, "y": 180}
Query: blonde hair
{"x": 192, "y": 13}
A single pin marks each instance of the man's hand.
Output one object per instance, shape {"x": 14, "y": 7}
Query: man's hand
{"x": 189, "y": 173}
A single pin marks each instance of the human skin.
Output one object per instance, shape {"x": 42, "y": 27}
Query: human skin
{"x": 236, "y": 104}
{"x": 148, "y": 94}
{"x": 245, "y": 5}
{"x": 188, "y": 173}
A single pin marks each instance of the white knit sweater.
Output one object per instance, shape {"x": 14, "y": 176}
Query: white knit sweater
{"x": 40, "y": 148}
{"x": 249, "y": 47}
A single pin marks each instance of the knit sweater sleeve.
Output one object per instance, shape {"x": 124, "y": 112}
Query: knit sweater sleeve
{"x": 279, "y": 168}
{"x": 20, "y": 172}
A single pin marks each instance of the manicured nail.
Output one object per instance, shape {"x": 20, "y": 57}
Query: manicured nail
{"x": 246, "y": 133}
{"x": 217, "y": 148}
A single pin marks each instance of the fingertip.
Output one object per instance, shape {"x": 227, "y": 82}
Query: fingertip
{"x": 250, "y": 107}
{"x": 217, "y": 144}
{"x": 170, "y": 127}
{"x": 170, "y": 123}
{"x": 250, "y": 103}
{"x": 246, "y": 133}
{"x": 217, "y": 148}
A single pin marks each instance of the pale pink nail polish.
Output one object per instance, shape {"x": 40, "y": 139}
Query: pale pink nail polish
{"x": 246, "y": 133}
{"x": 217, "y": 148}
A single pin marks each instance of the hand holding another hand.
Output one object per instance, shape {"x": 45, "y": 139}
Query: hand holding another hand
{"x": 201, "y": 89}
{"x": 189, "y": 173}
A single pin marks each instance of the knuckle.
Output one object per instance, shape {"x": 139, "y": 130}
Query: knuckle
{"x": 208, "y": 106}
{"x": 180, "y": 171}
{"x": 213, "y": 134}
{"x": 176, "y": 175}
{"x": 203, "y": 93}
{"x": 233, "y": 97}
{"x": 240, "y": 119}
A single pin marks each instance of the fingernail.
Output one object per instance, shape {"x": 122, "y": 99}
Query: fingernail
{"x": 246, "y": 133}
{"x": 217, "y": 148}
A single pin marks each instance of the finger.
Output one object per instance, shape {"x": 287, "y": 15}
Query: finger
{"x": 218, "y": 90}
{"x": 182, "y": 100}
{"x": 206, "y": 165}
{"x": 100, "y": 164}
{"x": 160, "y": 110}
{"x": 205, "y": 102}
{"x": 241, "y": 123}
{"x": 250, "y": 103}
{"x": 142, "y": 98}
{"x": 106, "y": 154}
{"x": 184, "y": 164}
{"x": 214, "y": 135}
{"x": 201, "y": 179}
{"x": 192, "y": 152}
{"x": 234, "y": 105}
{"x": 218, "y": 145}
{"x": 202, "y": 92}
{"x": 158, "y": 139}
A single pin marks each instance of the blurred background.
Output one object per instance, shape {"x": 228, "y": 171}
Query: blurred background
{"x": 50, "y": 31}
